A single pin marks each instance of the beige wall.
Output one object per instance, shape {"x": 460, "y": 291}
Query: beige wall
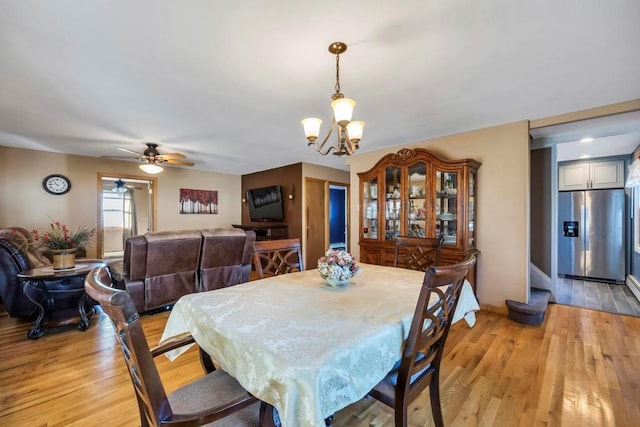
{"x": 23, "y": 202}
{"x": 310, "y": 170}
{"x": 503, "y": 204}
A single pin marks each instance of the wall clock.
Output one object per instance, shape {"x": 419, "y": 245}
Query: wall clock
{"x": 56, "y": 184}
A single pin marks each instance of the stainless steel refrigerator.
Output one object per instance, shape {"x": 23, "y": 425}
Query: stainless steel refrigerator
{"x": 591, "y": 238}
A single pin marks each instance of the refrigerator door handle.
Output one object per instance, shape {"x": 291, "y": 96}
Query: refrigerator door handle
{"x": 585, "y": 228}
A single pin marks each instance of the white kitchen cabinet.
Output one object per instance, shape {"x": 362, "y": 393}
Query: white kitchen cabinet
{"x": 591, "y": 175}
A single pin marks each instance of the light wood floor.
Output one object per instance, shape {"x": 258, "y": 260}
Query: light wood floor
{"x": 580, "y": 368}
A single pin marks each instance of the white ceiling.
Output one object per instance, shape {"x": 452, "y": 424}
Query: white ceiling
{"x": 226, "y": 83}
{"x": 613, "y": 135}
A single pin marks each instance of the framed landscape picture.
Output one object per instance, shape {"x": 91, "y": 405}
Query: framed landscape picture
{"x": 198, "y": 201}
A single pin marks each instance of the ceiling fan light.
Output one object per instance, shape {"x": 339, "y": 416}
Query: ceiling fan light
{"x": 151, "y": 168}
{"x": 311, "y": 128}
{"x": 343, "y": 109}
{"x": 354, "y": 130}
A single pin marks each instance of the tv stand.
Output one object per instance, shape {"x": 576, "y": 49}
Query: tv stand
{"x": 266, "y": 231}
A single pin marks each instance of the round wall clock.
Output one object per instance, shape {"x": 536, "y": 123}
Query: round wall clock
{"x": 56, "y": 184}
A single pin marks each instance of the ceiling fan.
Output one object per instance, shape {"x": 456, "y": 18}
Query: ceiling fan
{"x": 152, "y": 159}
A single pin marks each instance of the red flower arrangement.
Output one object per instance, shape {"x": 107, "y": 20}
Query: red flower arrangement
{"x": 58, "y": 236}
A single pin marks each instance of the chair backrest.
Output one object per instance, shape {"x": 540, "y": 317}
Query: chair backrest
{"x": 118, "y": 305}
{"x": 273, "y": 257}
{"x": 172, "y": 266}
{"x": 226, "y": 257}
{"x": 430, "y": 326}
{"x": 417, "y": 253}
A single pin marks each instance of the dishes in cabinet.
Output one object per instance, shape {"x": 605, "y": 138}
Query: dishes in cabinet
{"x": 446, "y": 216}
{"x": 373, "y": 191}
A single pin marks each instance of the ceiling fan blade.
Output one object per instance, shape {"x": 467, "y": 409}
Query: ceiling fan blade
{"x": 117, "y": 157}
{"x": 178, "y": 162}
{"x": 172, "y": 156}
{"x": 129, "y": 151}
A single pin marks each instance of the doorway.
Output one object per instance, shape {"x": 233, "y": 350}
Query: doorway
{"x": 322, "y": 213}
{"x": 126, "y": 208}
{"x": 338, "y": 231}
{"x": 602, "y": 138}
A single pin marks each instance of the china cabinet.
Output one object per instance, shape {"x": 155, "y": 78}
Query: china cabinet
{"x": 416, "y": 193}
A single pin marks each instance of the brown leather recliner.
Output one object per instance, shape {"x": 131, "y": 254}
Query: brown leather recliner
{"x": 160, "y": 267}
{"x": 226, "y": 258}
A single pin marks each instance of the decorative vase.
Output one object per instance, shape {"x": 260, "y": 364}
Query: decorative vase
{"x": 335, "y": 282}
{"x": 64, "y": 258}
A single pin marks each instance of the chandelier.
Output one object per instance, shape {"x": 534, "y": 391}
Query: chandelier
{"x": 349, "y": 132}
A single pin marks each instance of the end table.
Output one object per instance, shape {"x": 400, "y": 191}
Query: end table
{"x": 45, "y": 286}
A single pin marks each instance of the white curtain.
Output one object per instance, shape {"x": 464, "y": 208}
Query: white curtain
{"x": 129, "y": 220}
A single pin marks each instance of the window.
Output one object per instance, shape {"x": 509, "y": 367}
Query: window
{"x": 113, "y": 209}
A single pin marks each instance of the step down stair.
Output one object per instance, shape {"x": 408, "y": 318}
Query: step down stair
{"x": 533, "y": 312}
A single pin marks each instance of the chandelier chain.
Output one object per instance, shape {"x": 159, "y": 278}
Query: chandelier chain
{"x": 337, "y": 74}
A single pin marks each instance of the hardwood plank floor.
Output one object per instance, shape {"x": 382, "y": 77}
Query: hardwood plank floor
{"x": 580, "y": 368}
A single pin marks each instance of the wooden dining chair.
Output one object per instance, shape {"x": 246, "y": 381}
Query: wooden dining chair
{"x": 417, "y": 253}
{"x": 215, "y": 398}
{"x": 274, "y": 257}
{"x": 419, "y": 366}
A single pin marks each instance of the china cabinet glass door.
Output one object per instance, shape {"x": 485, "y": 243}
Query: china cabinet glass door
{"x": 417, "y": 196}
{"x": 393, "y": 203}
{"x": 370, "y": 209}
{"x": 446, "y": 215}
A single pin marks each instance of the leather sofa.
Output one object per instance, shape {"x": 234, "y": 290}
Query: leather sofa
{"x": 160, "y": 267}
{"x": 18, "y": 254}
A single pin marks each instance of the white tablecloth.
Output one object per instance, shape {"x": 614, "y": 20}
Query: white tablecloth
{"x": 306, "y": 348}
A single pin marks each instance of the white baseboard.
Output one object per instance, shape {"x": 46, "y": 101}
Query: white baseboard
{"x": 634, "y": 285}
{"x": 538, "y": 279}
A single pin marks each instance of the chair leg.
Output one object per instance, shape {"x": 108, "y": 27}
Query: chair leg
{"x": 434, "y": 394}
{"x": 401, "y": 415}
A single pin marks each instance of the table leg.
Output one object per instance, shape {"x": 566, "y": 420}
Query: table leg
{"x": 85, "y": 317}
{"x": 36, "y": 330}
{"x": 269, "y": 416}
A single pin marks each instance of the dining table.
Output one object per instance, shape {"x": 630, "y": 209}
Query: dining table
{"x": 302, "y": 346}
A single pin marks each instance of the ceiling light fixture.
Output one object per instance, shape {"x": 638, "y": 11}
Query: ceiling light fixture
{"x": 349, "y": 132}
{"x": 119, "y": 186}
{"x": 586, "y": 139}
{"x": 151, "y": 168}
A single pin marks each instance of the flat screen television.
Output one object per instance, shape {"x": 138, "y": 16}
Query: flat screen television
{"x": 265, "y": 204}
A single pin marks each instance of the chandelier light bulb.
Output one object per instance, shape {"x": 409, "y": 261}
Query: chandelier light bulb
{"x": 354, "y": 130}
{"x": 311, "y": 128}
{"x": 343, "y": 109}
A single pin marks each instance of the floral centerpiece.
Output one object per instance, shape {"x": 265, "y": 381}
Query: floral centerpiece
{"x": 337, "y": 267}
{"x": 63, "y": 242}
